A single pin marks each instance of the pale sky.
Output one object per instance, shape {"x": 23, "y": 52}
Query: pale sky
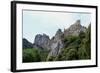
{"x": 39, "y": 22}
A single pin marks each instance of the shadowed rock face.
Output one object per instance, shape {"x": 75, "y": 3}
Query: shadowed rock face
{"x": 27, "y": 44}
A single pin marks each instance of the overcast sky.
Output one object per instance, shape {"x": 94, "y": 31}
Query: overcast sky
{"x": 39, "y": 22}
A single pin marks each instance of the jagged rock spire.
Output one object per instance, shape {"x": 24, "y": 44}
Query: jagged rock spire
{"x": 78, "y": 22}
{"x": 59, "y": 31}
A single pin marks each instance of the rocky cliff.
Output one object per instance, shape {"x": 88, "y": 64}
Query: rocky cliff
{"x": 74, "y": 29}
{"x": 55, "y": 44}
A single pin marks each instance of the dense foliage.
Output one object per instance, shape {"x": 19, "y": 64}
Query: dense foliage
{"x": 31, "y": 55}
{"x": 34, "y": 55}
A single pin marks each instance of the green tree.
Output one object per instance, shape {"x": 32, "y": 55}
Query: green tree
{"x": 84, "y": 51}
{"x": 31, "y": 55}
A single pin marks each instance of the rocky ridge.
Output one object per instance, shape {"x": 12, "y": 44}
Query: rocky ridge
{"x": 55, "y": 44}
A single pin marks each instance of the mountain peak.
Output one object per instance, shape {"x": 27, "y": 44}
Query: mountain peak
{"x": 59, "y": 31}
{"x": 42, "y": 40}
{"x": 76, "y": 24}
{"x": 74, "y": 29}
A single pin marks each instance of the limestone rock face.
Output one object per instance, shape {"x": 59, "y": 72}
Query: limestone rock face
{"x": 42, "y": 41}
{"x": 74, "y": 29}
{"x": 56, "y": 43}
